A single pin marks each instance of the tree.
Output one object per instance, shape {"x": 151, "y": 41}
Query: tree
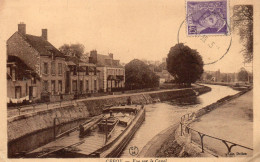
{"x": 72, "y": 50}
{"x": 243, "y": 75}
{"x": 184, "y": 64}
{"x": 243, "y": 24}
{"x": 139, "y": 75}
{"x": 208, "y": 76}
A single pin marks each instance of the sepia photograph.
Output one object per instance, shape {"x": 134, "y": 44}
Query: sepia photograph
{"x": 129, "y": 81}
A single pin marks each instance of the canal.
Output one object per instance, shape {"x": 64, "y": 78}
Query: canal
{"x": 160, "y": 116}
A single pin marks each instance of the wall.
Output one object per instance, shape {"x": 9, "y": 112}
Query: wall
{"x": 56, "y": 77}
{"x": 27, "y": 124}
{"x": 12, "y": 84}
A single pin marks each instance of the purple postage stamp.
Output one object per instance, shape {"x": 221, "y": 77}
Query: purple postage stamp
{"x": 207, "y": 17}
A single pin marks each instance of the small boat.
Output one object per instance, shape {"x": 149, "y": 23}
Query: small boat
{"x": 104, "y": 136}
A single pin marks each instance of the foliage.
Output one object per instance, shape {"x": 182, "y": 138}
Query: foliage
{"x": 243, "y": 75}
{"x": 139, "y": 75}
{"x": 73, "y": 49}
{"x": 208, "y": 76}
{"x": 243, "y": 24}
{"x": 184, "y": 64}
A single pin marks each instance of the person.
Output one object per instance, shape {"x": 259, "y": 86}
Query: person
{"x": 209, "y": 22}
{"x": 129, "y": 102}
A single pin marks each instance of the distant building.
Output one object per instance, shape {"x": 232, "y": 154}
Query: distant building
{"x": 217, "y": 76}
{"x": 111, "y": 75}
{"x": 165, "y": 76}
{"x": 81, "y": 76}
{"x": 42, "y": 58}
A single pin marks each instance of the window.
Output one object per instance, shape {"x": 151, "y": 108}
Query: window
{"x": 13, "y": 74}
{"x": 9, "y": 71}
{"x": 87, "y": 86}
{"x": 95, "y": 71}
{"x": 81, "y": 86}
{"x": 60, "y": 86}
{"x": 53, "y": 87}
{"x": 33, "y": 80}
{"x": 74, "y": 70}
{"x": 74, "y": 85}
{"x": 45, "y": 68}
{"x": 45, "y": 85}
{"x": 87, "y": 71}
{"x": 53, "y": 70}
{"x": 60, "y": 68}
{"x": 95, "y": 85}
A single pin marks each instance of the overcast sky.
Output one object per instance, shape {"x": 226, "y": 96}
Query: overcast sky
{"x": 130, "y": 29}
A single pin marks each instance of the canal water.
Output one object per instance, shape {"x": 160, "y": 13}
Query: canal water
{"x": 160, "y": 116}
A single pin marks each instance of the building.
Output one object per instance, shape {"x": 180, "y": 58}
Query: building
{"x": 164, "y": 76}
{"x": 41, "y": 57}
{"x": 111, "y": 73}
{"x": 81, "y": 77}
{"x": 22, "y": 81}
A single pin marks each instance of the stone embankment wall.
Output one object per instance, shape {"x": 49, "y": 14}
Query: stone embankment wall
{"x": 27, "y": 124}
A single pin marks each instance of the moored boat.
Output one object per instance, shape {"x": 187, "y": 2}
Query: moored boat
{"x": 105, "y": 136}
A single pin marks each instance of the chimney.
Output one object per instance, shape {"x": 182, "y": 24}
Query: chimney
{"x": 93, "y": 57}
{"x": 22, "y": 28}
{"x": 45, "y": 34}
{"x": 110, "y": 55}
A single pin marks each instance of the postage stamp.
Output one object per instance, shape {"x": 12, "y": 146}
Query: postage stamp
{"x": 207, "y": 17}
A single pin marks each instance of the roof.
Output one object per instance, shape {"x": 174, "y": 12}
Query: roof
{"x": 44, "y": 47}
{"x": 75, "y": 61}
{"x": 101, "y": 61}
{"x": 22, "y": 70}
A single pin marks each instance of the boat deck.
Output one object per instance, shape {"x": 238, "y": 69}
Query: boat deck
{"x": 86, "y": 145}
{"x": 93, "y": 143}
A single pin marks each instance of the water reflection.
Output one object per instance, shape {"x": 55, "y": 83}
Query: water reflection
{"x": 184, "y": 102}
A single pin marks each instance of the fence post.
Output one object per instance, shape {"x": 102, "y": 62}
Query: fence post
{"x": 54, "y": 128}
{"x": 228, "y": 147}
{"x": 19, "y": 110}
{"x": 201, "y": 139}
{"x": 181, "y": 128}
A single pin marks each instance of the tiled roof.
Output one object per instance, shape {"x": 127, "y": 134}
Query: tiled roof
{"x": 42, "y": 46}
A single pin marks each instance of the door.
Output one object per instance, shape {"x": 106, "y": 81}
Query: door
{"x": 30, "y": 93}
{"x": 18, "y": 92}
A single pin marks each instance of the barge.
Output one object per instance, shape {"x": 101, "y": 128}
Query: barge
{"x": 105, "y": 136}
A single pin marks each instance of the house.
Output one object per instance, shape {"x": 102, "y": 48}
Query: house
{"x": 111, "y": 74}
{"x": 81, "y": 76}
{"x": 41, "y": 57}
{"x": 22, "y": 81}
{"x": 164, "y": 76}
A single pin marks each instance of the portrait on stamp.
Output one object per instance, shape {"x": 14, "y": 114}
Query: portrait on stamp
{"x": 207, "y": 17}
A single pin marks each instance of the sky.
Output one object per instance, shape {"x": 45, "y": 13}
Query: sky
{"x": 132, "y": 29}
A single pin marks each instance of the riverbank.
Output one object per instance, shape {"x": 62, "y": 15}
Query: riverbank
{"x": 172, "y": 146}
{"x": 25, "y": 125}
{"x": 232, "y": 121}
